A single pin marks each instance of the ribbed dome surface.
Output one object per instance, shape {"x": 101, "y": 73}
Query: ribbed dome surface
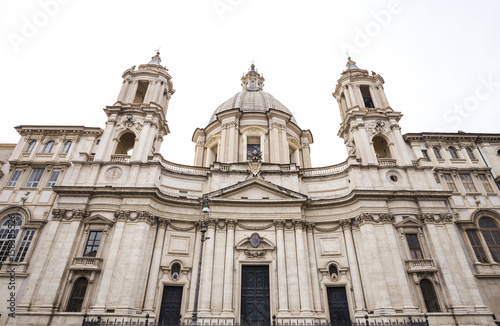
{"x": 251, "y": 101}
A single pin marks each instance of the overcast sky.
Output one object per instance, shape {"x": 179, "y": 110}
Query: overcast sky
{"x": 63, "y": 60}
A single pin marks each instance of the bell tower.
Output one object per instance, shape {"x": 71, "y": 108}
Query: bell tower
{"x": 369, "y": 125}
{"x": 137, "y": 121}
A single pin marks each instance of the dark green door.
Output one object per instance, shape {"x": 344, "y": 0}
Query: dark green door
{"x": 255, "y": 303}
{"x": 337, "y": 304}
{"x": 170, "y": 311}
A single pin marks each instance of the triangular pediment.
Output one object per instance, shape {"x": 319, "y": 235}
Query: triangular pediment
{"x": 409, "y": 222}
{"x": 97, "y": 219}
{"x": 257, "y": 189}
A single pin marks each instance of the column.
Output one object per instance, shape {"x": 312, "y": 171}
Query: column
{"x": 140, "y": 145}
{"x": 207, "y": 264}
{"x": 107, "y": 274}
{"x": 194, "y": 270}
{"x": 218, "y": 270}
{"x": 154, "y": 270}
{"x": 123, "y": 91}
{"x": 282, "y": 270}
{"x": 305, "y": 304}
{"x": 399, "y": 273}
{"x": 313, "y": 269}
{"x": 377, "y": 282}
{"x": 274, "y": 142}
{"x": 353, "y": 267}
{"x": 227, "y": 304}
{"x": 131, "y": 93}
{"x": 436, "y": 241}
{"x": 291, "y": 271}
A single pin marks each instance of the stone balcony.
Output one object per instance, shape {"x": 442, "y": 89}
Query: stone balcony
{"x": 86, "y": 264}
{"x": 420, "y": 266}
{"x": 387, "y": 162}
{"x": 120, "y": 158}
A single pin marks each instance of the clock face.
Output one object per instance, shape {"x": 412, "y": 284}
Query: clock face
{"x": 113, "y": 174}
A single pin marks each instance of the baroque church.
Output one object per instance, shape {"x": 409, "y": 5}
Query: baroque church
{"x": 95, "y": 221}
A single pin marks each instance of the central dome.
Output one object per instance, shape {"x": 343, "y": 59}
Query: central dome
{"x": 252, "y": 98}
{"x": 251, "y": 101}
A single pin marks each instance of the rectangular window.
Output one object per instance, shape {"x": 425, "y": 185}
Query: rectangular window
{"x": 485, "y": 182}
{"x": 467, "y": 182}
{"x": 414, "y": 245}
{"x": 425, "y": 154}
{"x": 28, "y": 236}
{"x": 14, "y": 178}
{"x": 476, "y": 245}
{"x": 92, "y": 244}
{"x": 142, "y": 88}
{"x": 53, "y": 178}
{"x": 437, "y": 178}
{"x": 449, "y": 181}
{"x": 34, "y": 178}
{"x": 367, "y": 97}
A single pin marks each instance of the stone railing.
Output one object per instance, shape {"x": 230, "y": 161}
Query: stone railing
{"x": 86, "y": 263}
{"x": 327, "y": 170}
{"x": 120, "y": 158}
{"x": 187, "y": 169}
{"x": 387, "y": 161}
{"x": 420, "y": 265}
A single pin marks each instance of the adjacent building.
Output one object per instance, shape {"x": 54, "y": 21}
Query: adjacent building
{"x": 96, "y": 221}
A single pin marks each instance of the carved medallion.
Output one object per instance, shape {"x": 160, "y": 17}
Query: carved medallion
{"x": 255, "y": 240}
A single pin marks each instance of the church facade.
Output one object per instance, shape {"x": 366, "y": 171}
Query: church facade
{"x": 96, "y": 221}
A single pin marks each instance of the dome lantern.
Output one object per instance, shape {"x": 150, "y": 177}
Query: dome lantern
{"x": 252, "y": 81}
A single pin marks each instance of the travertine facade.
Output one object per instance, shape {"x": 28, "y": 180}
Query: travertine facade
{"x": 102, "y": 224}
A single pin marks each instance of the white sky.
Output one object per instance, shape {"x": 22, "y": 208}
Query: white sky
{"x": 440, "y": 61}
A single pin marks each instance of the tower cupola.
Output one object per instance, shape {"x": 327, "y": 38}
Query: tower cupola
{"x": 137, "y": 121}
{"x": 369, "y": 125}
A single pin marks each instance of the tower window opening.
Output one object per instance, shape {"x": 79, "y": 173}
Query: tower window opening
{"x": 252, "y": 86}
{"x": 142, "y": 87}
{"x": 126, "y": 144}
{"x": 381, "y": 147}
{"x": 253, "y": 144}
{"x": 367, "y": 97}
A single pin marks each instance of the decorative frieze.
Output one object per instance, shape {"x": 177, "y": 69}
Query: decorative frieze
{"x": 377, "y": 127}
{"x": 435, "y": 218}
{"x": 386, "y": 218}
{"x": 75, "y": 214}
{"x": 364, "y": 218}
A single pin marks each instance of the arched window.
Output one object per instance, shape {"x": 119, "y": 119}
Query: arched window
{"x": 49, "y": 147}
{"x": 31, "y": 146}
{"x": 470, "y": 152}
{"x": 498, "y": 153}
{"x": 436, "y": 152}
{"x": 430, "y": 298}
{"x": 66, "y": 147}
{"x": 491, "y": 235}
{"x": 381, "y": 147}
{"x": 126, "y": 144}
{"x": 8, "y": 234}
{"x": 453, "y": 152}
{"x": 77, "y": 295}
